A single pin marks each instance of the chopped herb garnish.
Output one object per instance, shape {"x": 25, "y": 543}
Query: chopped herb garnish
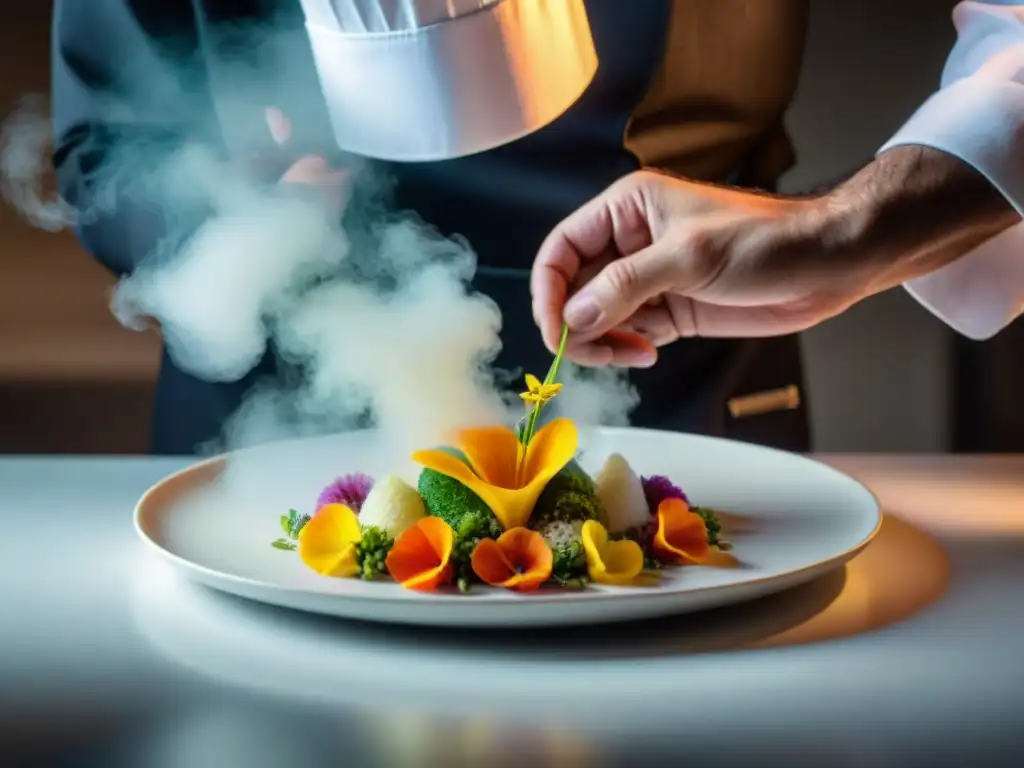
{"x": 292, "y": 523}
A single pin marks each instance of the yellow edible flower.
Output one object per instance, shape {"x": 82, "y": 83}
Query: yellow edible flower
{"x": 507, "y": 475}
{"x": 327, "y": 543}
{"x": 538, "y": 392}
{"x": 610, "y": 562}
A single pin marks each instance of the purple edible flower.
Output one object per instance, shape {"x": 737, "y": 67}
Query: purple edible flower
{"x": 657, "y": 488}
{"x": 350, "y": 490}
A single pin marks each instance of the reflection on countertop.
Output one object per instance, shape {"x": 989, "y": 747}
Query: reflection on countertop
{"x": 910, "y": 652}
{"x": 258, "y": 647}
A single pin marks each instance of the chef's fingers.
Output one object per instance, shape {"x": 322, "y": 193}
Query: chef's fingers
{"x": 591, "y": 355}
{"x": 621, "y": 289}
{"x": 613, "y": 224}
{"x": 549, "y": 288}
{"x": 279, "y": 125}
{"x": 315, "y": 172}
{"x": 591, "y": 269}
{"x": 619, "y": 348}
{"x": 269, "y": 163}
{"x": 615, "y": 220}
{"x": 655, "y": 323}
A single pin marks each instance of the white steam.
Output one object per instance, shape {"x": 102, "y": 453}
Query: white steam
{"x": 268, "y": 270}
{"x": 601, "y": 397}
{"x": 24, "y": 166}
{"x": 214, "y": 296}
{"x": 262, "y": 272}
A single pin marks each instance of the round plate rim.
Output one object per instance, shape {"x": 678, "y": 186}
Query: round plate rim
{"x": 210, "y": 576}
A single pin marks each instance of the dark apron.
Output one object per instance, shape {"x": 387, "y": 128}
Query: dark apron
{"x": 505, "y": 202}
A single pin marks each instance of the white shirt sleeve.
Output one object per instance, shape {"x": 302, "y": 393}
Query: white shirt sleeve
{"x": 978, "y": 116}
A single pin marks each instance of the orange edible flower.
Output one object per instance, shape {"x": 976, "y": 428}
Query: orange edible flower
{"x": 420, "y": 558}
{"x": 328, "y": 541}
{"x": 682, "y": 536}
{"x": 520, "y": 559}
{"x": 506, "y": 475}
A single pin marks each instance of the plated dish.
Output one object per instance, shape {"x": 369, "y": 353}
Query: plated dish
{"x": 506, "y": 507}
{"x": 492, "y": 511}
{"x": 540, "y": 523}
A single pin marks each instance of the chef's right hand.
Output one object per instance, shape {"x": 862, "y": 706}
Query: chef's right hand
{"x": 310, "y": 170}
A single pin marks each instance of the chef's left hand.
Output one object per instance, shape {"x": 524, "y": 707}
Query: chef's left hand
{"x": 312, "y": 171}
{"x": 665, "y": 258}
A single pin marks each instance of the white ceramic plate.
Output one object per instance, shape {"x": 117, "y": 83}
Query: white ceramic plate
{"x": 789, "y": 518}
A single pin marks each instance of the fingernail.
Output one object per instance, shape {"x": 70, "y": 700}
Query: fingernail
{"x": 582, "y": 312}
{"x": 646, "y": 360}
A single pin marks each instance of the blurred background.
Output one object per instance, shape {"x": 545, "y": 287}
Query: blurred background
{"x": 884, "y": 377}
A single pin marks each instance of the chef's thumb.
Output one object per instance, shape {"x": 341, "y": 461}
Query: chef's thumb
{"x": 620, "y": 289}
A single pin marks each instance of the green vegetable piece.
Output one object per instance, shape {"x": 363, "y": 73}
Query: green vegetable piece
{"x": 283, "y": 544}
{"x": 711, "y": 522}
{"x": 572, "y": 478}
{"x": 575, "y": 474}
{"x": 569, "y": 497}
{"x": 449, "y": 499}
{"x": 570, "y": 565}
{"x": 372, "y": 553}
{"x": 569, "y": 507}
{"x": 473, "y": 527}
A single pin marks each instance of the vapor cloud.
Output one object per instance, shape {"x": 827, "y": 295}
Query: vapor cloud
{"x": 376, "y": 319}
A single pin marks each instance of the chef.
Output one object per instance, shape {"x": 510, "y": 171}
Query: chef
{"x": 694, "y": 88}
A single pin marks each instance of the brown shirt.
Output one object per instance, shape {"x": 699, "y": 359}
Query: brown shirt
{"x": 716, "y": 103}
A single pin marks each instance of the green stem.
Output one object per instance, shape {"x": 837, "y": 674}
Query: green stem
{"x": 557, "y": 362}
{"x": 531, "y": 425}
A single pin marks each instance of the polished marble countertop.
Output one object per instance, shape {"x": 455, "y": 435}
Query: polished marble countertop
{"x": 913, "y": 654}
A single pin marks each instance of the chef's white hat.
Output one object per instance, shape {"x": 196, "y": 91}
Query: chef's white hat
{"x": 421, "y": 80}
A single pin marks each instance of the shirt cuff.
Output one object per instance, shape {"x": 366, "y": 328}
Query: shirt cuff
{"x": 981, "y": 122}
{"x": 981, "y": 293}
